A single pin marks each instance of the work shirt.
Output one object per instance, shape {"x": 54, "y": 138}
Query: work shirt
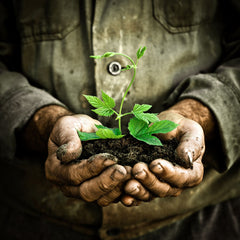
{"x": 193, "y": 50}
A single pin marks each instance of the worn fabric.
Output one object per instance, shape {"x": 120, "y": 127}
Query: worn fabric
{"x": 192, "y": 52}
{"x": 203, "y": 225}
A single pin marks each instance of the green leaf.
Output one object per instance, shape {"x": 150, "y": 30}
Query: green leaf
{"x": 108, "y": 54}
{"x": 141, "y": 108}
{"x": 84, "y": 136}
{"x": 128, "y": 67}
{"x": 108, "y": 133}
{"x": 138, "y": 111}
{"x": 115, "y": 130}
{"x": 109, "y": 102}
{"x": 100, "y": 126}
{"x": 139, "y": 130}
{"x": 105, "y": 55}
{"x": 147, "y": 117}
{"x": 151, "y": 140}
{"x": 103, "y": 108}
{"x": 136, "y": 126}
{"x": 140, "y": 52}
{"x": 163, "y": 126}
{"x": 96, "y": 56}
{"x": 94, "y": 101}
{"x": 104, "y": 111}
{"x": 102, "y": 133}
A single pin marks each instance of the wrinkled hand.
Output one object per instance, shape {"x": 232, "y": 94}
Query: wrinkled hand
{"x": 161, "y": 178}
{"x": 98, "y": 178}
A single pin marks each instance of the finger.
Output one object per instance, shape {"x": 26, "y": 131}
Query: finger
{"x": 86, "y": 123}
{"x": 191, "y": 142}
{"x": 113, "y": 196}
{"x": 70, "y": 148}
{"x": 69, "y": 151}
{"x": 94, "y": 188}
{"x": 64, "y": 138}
{"x": 135, "y": 189}
{"x": 177, "y": 175}
{"x": 129, "y": 201}
{"x": 152, "y": 183}
{"x": 74, "y": 174}
{"x": 110, "y": 197}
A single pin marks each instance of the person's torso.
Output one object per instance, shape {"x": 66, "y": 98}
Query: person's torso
{"x": 182, "y": 38}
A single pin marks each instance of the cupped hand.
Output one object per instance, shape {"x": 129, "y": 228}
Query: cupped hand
{"x": 98, "y": 178}
{"x": 162, "y": 178}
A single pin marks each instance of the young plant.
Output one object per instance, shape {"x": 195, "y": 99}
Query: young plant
{"x": 142, "y": 125}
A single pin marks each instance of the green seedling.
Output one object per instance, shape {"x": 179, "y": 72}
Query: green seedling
{"x": 141, "y": 126}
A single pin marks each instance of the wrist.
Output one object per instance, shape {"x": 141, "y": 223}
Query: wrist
{"x": 195, "y": 110}
{"x": 37, "y": 131}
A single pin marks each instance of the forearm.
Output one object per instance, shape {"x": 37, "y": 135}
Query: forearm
{"x": 36, "y": 132}
{"x": 195, "y": 110}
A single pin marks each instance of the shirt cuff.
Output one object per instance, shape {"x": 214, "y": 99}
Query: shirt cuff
{"x": 215, "y": 91}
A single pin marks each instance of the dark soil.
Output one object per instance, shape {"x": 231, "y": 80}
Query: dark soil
{"x": 130, "y": 151}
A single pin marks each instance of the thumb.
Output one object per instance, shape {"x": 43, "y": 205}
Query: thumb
{"x": 70, "y": 150}
{"x": 192, "y": 144}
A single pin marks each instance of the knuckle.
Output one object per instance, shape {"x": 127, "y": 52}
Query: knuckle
{"x": 165, "y": 191}
{"x": 153, "y": 181}
{"x": 145, "y": 196}
{"x": 74, "y": 176}
{"x": 168, "y": 191}
{"x": 92, "y": 168}
{"x": 84, "y": 194}
{"x": 104, "y": 187}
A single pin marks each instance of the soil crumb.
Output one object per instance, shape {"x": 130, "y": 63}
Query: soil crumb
{"x": 130, "y": 151}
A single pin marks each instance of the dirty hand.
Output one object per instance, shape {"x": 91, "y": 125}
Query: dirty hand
{"x": 98, "y": 178}
{"x": 161, "y": 178}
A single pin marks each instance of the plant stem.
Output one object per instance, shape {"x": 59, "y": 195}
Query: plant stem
{"x": 123, "y": 115}
{"x": 129, "y": 86}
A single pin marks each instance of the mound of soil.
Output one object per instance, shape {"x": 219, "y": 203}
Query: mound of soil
{"x": 130, "y": 151}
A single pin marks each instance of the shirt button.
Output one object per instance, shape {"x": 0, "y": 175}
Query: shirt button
{"x": 114, "y": 68}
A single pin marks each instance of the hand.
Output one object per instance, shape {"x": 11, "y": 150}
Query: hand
{"x": 98, "y": 178}
{"x": 161, "y": 178}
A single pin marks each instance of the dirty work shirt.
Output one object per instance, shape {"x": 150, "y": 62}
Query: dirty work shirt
{"x": 192, "y": 52}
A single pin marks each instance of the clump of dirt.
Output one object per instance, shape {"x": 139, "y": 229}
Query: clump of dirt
{"x": 130, "y": 151}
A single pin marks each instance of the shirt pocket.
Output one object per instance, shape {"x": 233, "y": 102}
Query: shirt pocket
{"x": 179, "y": 16}
{"x": 46, "y": 20}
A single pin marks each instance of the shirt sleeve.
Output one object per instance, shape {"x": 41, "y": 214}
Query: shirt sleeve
{"x": 18, "y": 99}
{"x": 220, "y": 92}
{"x": 18, "y": 102}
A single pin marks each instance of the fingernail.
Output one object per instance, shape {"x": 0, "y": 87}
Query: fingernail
{"x": 190, "y": 159}
{"x": 142, "y": 174}
{"x": 108, "y": 162}
{"x": 134, "y": 190}
{"x": 117, "y": 175}
{"x": 157, "y": 168}
{"x": 108, "y": 158}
